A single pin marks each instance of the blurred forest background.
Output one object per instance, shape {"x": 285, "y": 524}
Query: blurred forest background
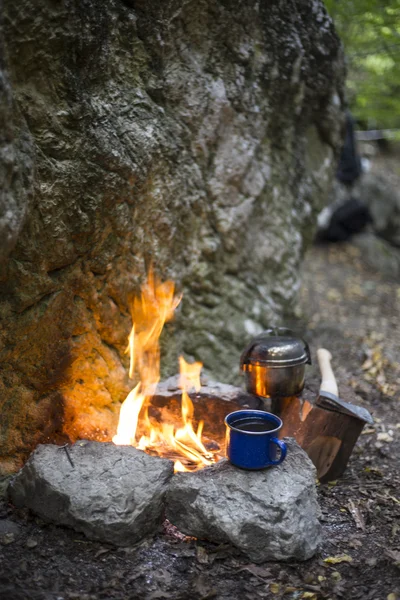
{"x": 370, "y": 32}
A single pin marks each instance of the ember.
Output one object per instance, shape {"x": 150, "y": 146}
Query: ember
{"x": 154, "y": 307}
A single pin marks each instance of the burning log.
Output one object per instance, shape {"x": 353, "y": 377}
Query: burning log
{"x": 145, "y": 421}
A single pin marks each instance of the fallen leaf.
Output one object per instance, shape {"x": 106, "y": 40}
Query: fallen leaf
{"x": 394, "y": 555}
{"x": 7, "y": 538}
{"x": 101, "y": 552}
{"x": 355, "y": 543}
{"x": 310, "y": 595}
{"x": 391, "y": 596}
{"x": 368, "y": 431}
{"x": 334, "y": 560}
{"x": 374, "y": 471}
{"x": 356, "y": 514}
{"x": 336, "y": 576}
{"x": 384, "y": 437}
{"x": 388, "y": 497}
{"x": 333, "y": 295}
{"x": 394, "y": 499}
{"x": 202, "y": 588}
{"x": 201, "y": 555}
{"x": 256, "y": 570}
{"x": 274, "y": 588}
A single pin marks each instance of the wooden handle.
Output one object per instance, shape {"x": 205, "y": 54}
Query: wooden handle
{"x": 328, "y": 383}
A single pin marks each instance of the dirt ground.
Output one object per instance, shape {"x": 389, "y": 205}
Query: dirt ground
{"x": 353, "y": 312}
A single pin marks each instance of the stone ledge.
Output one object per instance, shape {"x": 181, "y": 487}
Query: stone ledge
{"x": 113, "y": 493}
{"x": 269, "y": 515}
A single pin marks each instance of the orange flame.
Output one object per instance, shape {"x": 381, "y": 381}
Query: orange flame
{"x": 150, "y": 311}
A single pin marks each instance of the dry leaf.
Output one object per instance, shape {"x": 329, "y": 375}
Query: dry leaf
{"x": 274, "y": 588}
{"x": 384, "y": 437}
{"x": 257, "y": 570}
{"x": 391, "y": 596}
{"x": 333, "y": 295}
{"x": 201, "y": 555}
{"x": 394, "y": 499}
{"x": 374, "y": 471}
{"x": 356, "y": 514}
{"x": 101, "y": 552}
{"x": 334, "y": 560}
{"x": 368, "y": 431}
{"x": 310, "y": 595}
{"x": 395, "y": 556}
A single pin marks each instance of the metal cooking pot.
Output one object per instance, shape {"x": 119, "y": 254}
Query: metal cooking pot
{"x": 274, "y": 363}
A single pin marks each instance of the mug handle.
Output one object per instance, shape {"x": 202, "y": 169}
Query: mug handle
{"x": 283, "y": 449}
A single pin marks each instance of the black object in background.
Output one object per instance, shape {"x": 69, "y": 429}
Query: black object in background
{"x": 349, "y": 218}
{"x": 349, "y": 167}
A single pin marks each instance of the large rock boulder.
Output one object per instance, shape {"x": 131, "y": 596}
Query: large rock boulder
{"x": 16, "y": 170}
{"x": 197, "y": 135}
{"x": 110, "y": 493}
{"x": 269, "y": 515}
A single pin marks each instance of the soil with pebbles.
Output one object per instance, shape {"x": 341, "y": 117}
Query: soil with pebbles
{"x": 349, "y": 309}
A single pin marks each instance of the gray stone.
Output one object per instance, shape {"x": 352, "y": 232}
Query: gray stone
{"x": 16, "y": 170}
{"x": 9, "y": 531}
{"x": 269, "y": 515}
{"x": 113, "y": 493}
{"x": 198, "y": 135}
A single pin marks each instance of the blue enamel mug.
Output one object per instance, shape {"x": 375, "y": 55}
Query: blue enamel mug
{"x": 251, "y": 439}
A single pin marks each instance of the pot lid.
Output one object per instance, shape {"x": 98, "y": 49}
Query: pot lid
{"x": 276, "y": 347}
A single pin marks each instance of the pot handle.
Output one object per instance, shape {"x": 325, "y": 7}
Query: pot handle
{"x": 283, "y": 449}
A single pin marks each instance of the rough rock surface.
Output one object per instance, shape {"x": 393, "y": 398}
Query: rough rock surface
{"x": 269, "y": 515}
{"x": 198, "y": 135}
{"x": 16, "y": 169}
{"x": 112, "y": 493}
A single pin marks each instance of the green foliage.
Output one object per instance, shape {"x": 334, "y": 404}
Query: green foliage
{"x": 370, "y": 32}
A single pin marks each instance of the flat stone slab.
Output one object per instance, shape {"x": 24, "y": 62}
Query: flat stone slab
{"x": 269, "y": 515}
{"x": 112, "y": 493}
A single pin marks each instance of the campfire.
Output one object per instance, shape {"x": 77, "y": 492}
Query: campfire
{"x": 183, "y": 444}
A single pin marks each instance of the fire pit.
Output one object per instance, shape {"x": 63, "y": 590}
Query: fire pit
{"x": 119, "y": 495}
{"x": 120, "y": 491}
